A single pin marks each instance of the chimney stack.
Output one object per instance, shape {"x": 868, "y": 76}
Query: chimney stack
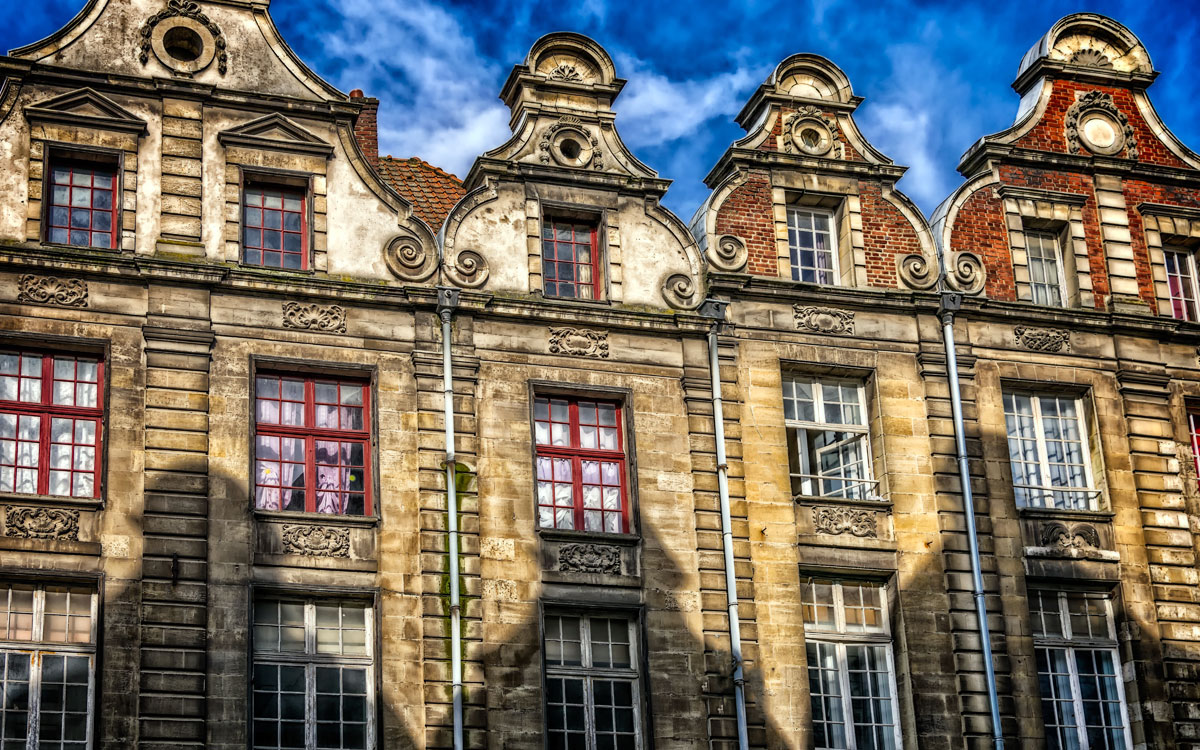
{"x": 366, "y": 128}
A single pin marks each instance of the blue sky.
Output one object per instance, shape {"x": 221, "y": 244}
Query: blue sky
{"x": 936, "y": 75}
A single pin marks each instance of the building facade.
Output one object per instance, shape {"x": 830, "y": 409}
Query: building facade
{"x": 237, "y": 448}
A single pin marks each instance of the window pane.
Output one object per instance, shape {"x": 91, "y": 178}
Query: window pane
{"x": 871, "y": 696}
{"x": 63, "y": 715}
{"x": 825, "y": 694}
{"x": 811, "y": 246}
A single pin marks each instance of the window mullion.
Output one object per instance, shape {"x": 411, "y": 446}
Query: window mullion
{"x": 1039, "y": 432}
{"x": 847, "y": 704}
{"x": 34, "y": 721}
{"x": 39, "y": 613}
{"x": 1077, "y": 700}
{"x": 310, "y": 706}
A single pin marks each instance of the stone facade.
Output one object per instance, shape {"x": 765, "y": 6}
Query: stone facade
{"x": 193, "y": 107}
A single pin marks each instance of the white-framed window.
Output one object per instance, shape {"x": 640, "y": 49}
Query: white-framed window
{"x": 829, "y": 450}
{"x": 47, "y": 666}
{"x": 851, "y": 680}
{"x": 1048, "y": 451}
{"x": 1181, "y": 282}
{"x": 593, "y": 699}
{"x": 313, "y": 679}
{"x": 1079, "y": 671}
{"x": 1045, "y": 268}
{"x": 812, "y": 245}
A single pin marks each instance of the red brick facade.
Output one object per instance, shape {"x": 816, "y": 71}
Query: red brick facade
{"x": 747, "y": 213}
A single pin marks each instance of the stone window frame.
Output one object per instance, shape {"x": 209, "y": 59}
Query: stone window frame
{"x": 285, "y": 179}
{"x": 368, "y": 374}
{"x": 1096, "y": 467}
{"x": 122, "y": 155}
{"x": 850, "y": 258}
{"x": 309, "y": 595}
{"x": 624, "y": 398}
{"x": 636, "y": 616}
{"x": 1164, "y": 225}
{"x": 839, "y": 637}
{"x": 40, "y": 647}
{"x": 863, "y": 428}
{"x": 241, "y": 162}
{"x": 606, "y": 264}
{"x": 1033, "y": 210}
{"x": 1110, "y": 644}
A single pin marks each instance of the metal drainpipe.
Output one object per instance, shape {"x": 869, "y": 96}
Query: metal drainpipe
{"x": 951, "y": 302}
{"x": 715, "y": 310}
{"x": 447, "y": 301}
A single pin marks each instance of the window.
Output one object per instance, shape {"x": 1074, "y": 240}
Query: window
{"x": 592, "y": 698}
{"x": 1045, "y": 276}
{"x": 47, "y": 666}
{"x": 828, "y": 446}
{"x": 570, "y": 256}
{"x": 1048, "y": 450}
{"x": 851, "y": 682}
{"x": 311, "y": 445}
{"x": 1079, "y": 673}
{"x": 580, "y": 465}
{"x": 313, "y": 677}
{"x": 1181, "y": 282}
{"x": 82, "y": 207}
{"x": 812, "y": 246}
{"x": 1194, "y": 426}
{"x": 51, "y": 408}
{"x": 273, "y": 227}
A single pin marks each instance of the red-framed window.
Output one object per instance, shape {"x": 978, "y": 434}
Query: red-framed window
{"x": 580, "y": 465}
{"x": 570, "y": 256}
{"x": 51, "y": 423}
{"x": 312, "y": 445}
{"x": 274, "y": 232}
{"x": 82, "y": 204}
{"x": 1194, "y": 428}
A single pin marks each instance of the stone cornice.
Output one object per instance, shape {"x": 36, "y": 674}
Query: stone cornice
{"x": 1165, "y": 209}
{"x": 1064, "y": 71}
{"x": 746, "y": 158}
{"x": 980, "y": 156}
{"x": 158, "y": 88}
{"x": 1037, "y": 194}
{"x": 500, "y": 169}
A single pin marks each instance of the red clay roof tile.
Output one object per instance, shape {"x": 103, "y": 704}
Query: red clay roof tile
{"x": 431, "y": 190}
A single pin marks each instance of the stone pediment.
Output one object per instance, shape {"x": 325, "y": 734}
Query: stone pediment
{"x": 277, "y": 133}
{"x": 88, "y": 108}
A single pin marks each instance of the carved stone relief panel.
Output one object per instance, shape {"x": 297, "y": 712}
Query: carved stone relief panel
{"x": 589, "y": 558}
{"x": 824, "y": 320}
{"x": 328, "y": 318}
{"x": 1043, "y": 339}
{"x": 51, "y": 290}
{"x": 837, "y": 520}
{"x": 317, "y": 541}
{"x": 41, "y": 523}
{"x": 579, "y": 341}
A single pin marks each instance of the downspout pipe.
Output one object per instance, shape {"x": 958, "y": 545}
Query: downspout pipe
{"x": 951, "y": 302}
{"x": 447, "y": 302}
{"x": 715, "y": 311}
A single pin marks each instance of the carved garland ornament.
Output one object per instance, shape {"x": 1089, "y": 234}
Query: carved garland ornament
{"x": 824, "y": 320}
{"x": 316, "y": 541}
{"x": 586, "y": 149}
{"x": 837, "y": 521}
{"x": 182, "y": 9}
{"x": 565, "y": 72}
{"x": 1101, "y": 103}
{"x": 328, "y": 318}
{"x": 579, "y": 342}
{"x": 589, "y": 558}
{"x": 51, "y": 290}
{"x": 800, "y": 127}
{"x": 41, "y": 523}
{"x": 1058, "y": 535}
{"x": 1043, "y": 339}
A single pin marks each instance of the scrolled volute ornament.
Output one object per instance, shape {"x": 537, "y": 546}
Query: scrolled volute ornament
{"x": 681, "y": 292}
{"x": 918, "y": 272}
{"x": 966, "y": 273}
{"x": 409, "y": 259}
{"x": 728, "y": 254}
{"x": 469, "y": 270}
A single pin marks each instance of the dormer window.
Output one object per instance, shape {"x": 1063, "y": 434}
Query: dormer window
{"x": 1045, "y": 268}
{"x": 570, "y": 262}
{"x": 82, "y": 206}
{"x": 812, "y": 245}
{"x": 275, "y": 226}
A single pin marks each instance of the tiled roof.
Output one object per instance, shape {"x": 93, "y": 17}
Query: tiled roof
{"x": 431, "y": 190}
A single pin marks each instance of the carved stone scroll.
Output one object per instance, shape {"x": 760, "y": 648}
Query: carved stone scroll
{"x": 838, "y": 521}
{"x": 579, "y": 342}
{"x": 51, "y": 290}
{"x": 824, "y": 320}
{"x": 328, "y": 318}
{"x": 918, "y": 271}
{"x": 728, "y": 254}
{"x": 41, "y": 523}
{"x": 1043, "y": 339}
{"x": 409, "y": 260}
{"x": 589, "y": 558}
{"x": 316, "y": 541}
{"x": 966, "y": 273}
{"x": 680, "y": 292}
{"x": 469, "y": 270}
